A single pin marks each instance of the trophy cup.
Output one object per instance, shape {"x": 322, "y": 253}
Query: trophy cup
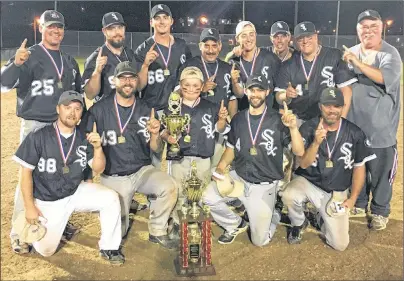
{"x": 194, "y": 258}
{"x": 175, "y": 124}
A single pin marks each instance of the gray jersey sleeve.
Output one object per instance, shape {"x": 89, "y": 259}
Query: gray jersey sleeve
{"x": 10, "y": 73}
{"x": 363, "y": 153}
{"x": 29, "y": 152}
{"x": 390, "y": 66}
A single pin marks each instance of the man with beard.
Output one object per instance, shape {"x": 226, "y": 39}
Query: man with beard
{"x": 376, "y": 109}
{"x": 160, "y": 56}
{"x": 253, "y": 60}
{"x": 40, "y": 73}
{"x": 316, "y": 67}
{"x": 216, "y": 74}
{"x": 99, "y": 68}
{"x": 53, "y": 159}
{"x": 257, "y": 157}
{"x": 334, "y": 160}
{"x": 129, "y": 130}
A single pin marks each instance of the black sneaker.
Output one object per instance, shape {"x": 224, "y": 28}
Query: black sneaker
{"x": 164, "y": 241}
{"x": 70, "y": 231}
{"x": 234, "y": 204}
{"x": 228, "y": 237}
{"x": 113, "y": 256}
{"x": 295, "y": 234}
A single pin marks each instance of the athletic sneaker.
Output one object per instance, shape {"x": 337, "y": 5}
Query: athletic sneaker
{"x": 19, "y": 247}
{"x": 357, "y": 212}
{"x": 164, "y": 241}
{"x": 70, "y": 231}
{"x": 113, "y": 256}
{"x": 378, "y": 222}
{"x": 228, "y": 237}
{"x": 295, "y": 234}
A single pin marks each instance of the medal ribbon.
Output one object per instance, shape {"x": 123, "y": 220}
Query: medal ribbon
{"x": 126, "y": 55}
{"x": 64, "y": 157}
{"x": 119, "y": 117}
{"x": 253, "y": 64}
{"x": 60, "y": 73}
{"x": 253, "y": 140}
{"x": 161, "y": 53}
{"x": 335, "y": 142}
{"x": 206, "y": 69}
{"x": 312, "y": 65}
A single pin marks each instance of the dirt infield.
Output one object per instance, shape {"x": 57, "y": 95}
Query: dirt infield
{"x": 370, "y": 255}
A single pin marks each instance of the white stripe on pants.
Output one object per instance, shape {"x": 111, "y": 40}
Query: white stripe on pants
{"x": 149, "y": 181}
{"x": 27, "y": 126}
{"x": 180, "y": 170}
{"x": 89, "y": 197}
{"x": 298, "y": 192}
{"x": 259, "y": 201}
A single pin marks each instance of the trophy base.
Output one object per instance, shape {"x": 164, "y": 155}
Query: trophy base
{"x": 174, "y": 155}
{"x": 193, "y": 269}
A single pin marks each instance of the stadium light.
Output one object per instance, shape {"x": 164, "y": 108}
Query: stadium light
{"x": 36, "y": 22}
{"x": 386, "y": 24}
{"x": 203, "y": 20}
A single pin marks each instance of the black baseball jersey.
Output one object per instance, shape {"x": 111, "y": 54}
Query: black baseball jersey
{"x": 329, "y": 70}
{"x": 271, "y": 49}
{"x": 107, "y": 74}
{"x": 266, "y": 166}
{"x": 40, "y": 152}
{"x": 121, "y": 158}
{"x": 223, "y": 90}
{"x": 37, "y": 83}
{"x": 204, "y": 116}
{"x": 159, "y": 87}
{"x": 350, "y": 151}
{"x": 266, "y": 64}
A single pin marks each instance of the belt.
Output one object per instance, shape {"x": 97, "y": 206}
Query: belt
{"x": 262, "y": 182}
{"x": 123, "y": 174}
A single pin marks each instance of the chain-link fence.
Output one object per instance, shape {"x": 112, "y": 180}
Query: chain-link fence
{"x": 81, "y": 44}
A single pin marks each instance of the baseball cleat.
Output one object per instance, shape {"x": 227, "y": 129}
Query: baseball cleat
{"x": 295, "y": 234}
{"x": 19, "y": 247}
{"x": 164, "y": 241}
{"x": 113, "y": 256}
{"x": 228, "y": 237}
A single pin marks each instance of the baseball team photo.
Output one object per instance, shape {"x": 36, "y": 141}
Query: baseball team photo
{"x": 211, "y": 140}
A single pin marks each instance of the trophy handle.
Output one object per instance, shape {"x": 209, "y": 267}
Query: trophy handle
{"x": 163, "y": 118}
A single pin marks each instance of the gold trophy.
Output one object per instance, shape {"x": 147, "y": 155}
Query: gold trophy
{"x": 175, "y": 123}
{"x": 194, "y": 258}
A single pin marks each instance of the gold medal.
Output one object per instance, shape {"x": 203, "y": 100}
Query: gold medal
{"x": 187, "y": 138}
{"x": 166, "y": 72}
{"x": 121, "y": 139}
{"x": 66, "y": 170}
{"x": 60, "y": 85}
{"x": 329, "y": 164}
{"x": 306, "y": 86}
{"x": 211, "y": 93}
{"x": 253, "y": 151}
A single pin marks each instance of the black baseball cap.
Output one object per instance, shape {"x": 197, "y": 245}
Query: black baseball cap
{"x": 67, "y": 97}
{"x": 51, "y": 17}
{"x": 369, "y": 14}
{"x": 112, "y": 18}
{"x": 280, "y": 27}
{"x": 209, "y": 34}
{"x": 305, "y": 28}
{"x": 160, "y": 8}
{"x": 256, "y": 80}
{"x": 332, "y": 96}
{"x": 125, "y": 67}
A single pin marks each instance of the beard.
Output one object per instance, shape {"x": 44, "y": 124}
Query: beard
{"x": 257, "y": 105}
{"x": 328, "y": 121}
{"x": 116, "y": 44}
{"x": 69, "y": 121}
{"x": 123, "y": 94}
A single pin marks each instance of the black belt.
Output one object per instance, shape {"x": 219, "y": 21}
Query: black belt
{"x": 123, "y": 174}
{"x": 261, "y": 182}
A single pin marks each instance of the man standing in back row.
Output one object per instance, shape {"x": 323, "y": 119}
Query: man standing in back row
{"x": 376, "y": 109}
{"x": 98, "y": 76}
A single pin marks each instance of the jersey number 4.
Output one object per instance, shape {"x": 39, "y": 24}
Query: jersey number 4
{"x": 155, "y": 76}
{"x": 39, "y": 87}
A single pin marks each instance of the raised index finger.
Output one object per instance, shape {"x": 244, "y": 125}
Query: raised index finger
{"x": 94, "y": 127}
{"x": 152, "y": 47}
{"x": 222, "y": 104}
{"x": 285, "y": 107}
{"x": 320, "y": 124}
{"x": 24, "y": 43}
{"x": 345, "y": 48}
{"x": 152, "y": 114}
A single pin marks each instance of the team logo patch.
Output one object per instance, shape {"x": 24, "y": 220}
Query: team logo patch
{"x": 114, "y": 16}
{"x": 332, "y": 93}
{"x": 264, "y": 72}
{"x": 227, "y": 78}
{"x": 347, "y": 158}
{"x": 142, "y": 123}
{"x": 367, "y": 142}
{"x": 279, "y": 25}
{"x": 328, "y": 76}
{"x": 238, "y": 145}
{"x": 182, "y": 59}
{"x": 54, "y": 15}
{"x": 160, "y": 7}
{"x": 206, "y": 120}
{"x": 268, "y": 144}
{"x": 210, "y": 31}
{"x": 367, "y": 13}
{"x": 303, "y": 27}
{"x": 81, "y": 153}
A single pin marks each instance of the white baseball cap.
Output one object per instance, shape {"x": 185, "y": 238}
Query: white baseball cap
{"x": 241, "y": 25}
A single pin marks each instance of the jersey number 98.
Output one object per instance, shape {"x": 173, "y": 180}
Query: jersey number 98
{"x": 39, "y": 87}
{"x": 48, "y": 165}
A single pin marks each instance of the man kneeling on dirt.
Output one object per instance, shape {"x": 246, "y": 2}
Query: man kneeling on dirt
{"x": 334, "y": 158}
{"x": 53, "y": 159}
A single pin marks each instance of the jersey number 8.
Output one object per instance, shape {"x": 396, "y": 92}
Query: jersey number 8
{"x": 39, "y": 87}
{"x": 48, "y": 165}
{"x": 155, "y": 76}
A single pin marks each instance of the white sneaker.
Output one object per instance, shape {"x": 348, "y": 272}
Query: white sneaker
{"x": 378, "y": 222}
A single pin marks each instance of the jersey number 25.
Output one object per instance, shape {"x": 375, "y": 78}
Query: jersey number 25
{"x": 39, "y": 87}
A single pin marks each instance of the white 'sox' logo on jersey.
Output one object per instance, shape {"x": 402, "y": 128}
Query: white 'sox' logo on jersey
{"x": 264, "y": 71}
{"x": 114, "y": 16}
{"x": 81, "y": 152}
{"x": 227, "y": 80}
{"x": 142, "y": 123}
{"x": 345, "y": 149}
{"x": 206, "y": 119}
{"x": 269, "y": 143}
{"x": 183, "y": 59}
{"x": 303, "y": 27}
{"x": 329, "y": 77}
